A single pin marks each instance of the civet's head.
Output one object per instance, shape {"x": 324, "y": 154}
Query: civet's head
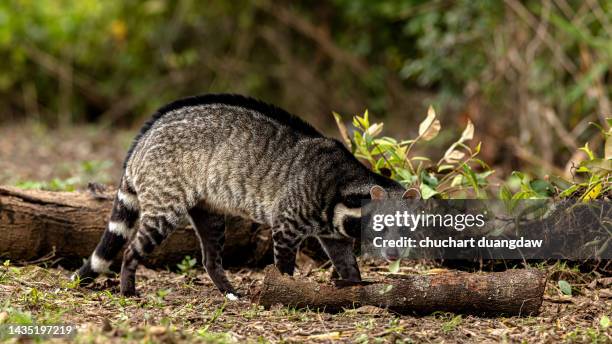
{"x": 348, "y": 214}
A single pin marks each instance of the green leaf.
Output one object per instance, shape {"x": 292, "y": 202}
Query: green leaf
{"x": 471, "y": 177}
{"x": 587, "y": 150}
{"x": 481, "y": 163}
{"x": 430, "y": 179}
{"x": 518, "y": 174}
{"x": 379, "y": 149}
{"x": 482, "y": 177}
{"x": 385, "y": 141}
{"x": 597, "y": 164}
{"x": 583, "y": 169}
{"x": 379, "y": 164}
{"x": 569, "y": 191}
{"x": 427, "y": 192}
{"x": 405, "y": 175}
{"x": 477, "y": 149}
{"x": 505, "y": 193}
{"x": 565, "y": 287}
{"x": 542, "y": 187}
{"x": 394, "y": 267}
{"x": 457, "y": 180}
{"x": 560, "y": 182}
{"x": 593, "y": 192}
{"x": 604, "y": 322}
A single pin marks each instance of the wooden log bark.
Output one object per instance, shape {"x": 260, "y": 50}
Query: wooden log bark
{"x": 68, "y": 225}
{"x": 512, "y": 292}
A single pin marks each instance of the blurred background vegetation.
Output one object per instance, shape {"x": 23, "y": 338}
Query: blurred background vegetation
{"x": 530, "y": 75}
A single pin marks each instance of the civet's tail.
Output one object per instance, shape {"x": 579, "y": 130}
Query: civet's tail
{"x": 119, "y": 230}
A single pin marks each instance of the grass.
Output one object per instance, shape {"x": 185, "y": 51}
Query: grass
{"x": 81, "y": 173}
{"x": 179, "y": 308}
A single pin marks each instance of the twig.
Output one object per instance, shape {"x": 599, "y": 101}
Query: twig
{"x": 530, "y": 19}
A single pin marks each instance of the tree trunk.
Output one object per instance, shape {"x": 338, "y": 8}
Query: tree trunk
{"x": 68, "y": 225}
{"x": 512, "y": 292}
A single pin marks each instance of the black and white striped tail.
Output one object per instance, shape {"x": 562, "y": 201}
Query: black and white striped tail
{"x": 119, "y": 230}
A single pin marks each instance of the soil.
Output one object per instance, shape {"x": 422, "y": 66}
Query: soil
{"x": 186, "y": 307}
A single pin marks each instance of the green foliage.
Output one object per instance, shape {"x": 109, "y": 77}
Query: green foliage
{"x": 95, "y": 54}
{"x": 588, "y": 335}
{"x": 57, "y": 52}
{"x": 54, "y": 184}
{"x": 604, "y": 322}
{"x": 394, "y": 267}
{"x": 447, "y": 45}
{"x": 18, "y": 317}
{"x": 565, "y": 287}
{"x": 84, "y": 172}
{"x": 187, "y": 264}
{"x": 593, "y": 178}
{"x": 214, "y": 337}
{"x": 450, "y": 176}
{"x": 452, "y": 323}
{"x": 158, "y": 300}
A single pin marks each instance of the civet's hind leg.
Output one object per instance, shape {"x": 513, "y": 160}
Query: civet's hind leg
{"x": 210, "y": 229}
{"x": 151, "y": 233}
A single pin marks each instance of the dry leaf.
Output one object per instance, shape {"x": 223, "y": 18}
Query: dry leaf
{"x": 468, "y": 132}
{"x": 454, "y": 156}
{"x": 432, "y": 132}
{"x": 325, "y": 336}
{"x": 342, "y": 129}
{"x": 157, "y": 330}
{"x": 375, "y": 129}
{"x": 437, "y": 271}
{"x": 428, "y": 122}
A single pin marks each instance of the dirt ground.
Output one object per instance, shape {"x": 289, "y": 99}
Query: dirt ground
{"x": 185, "y": 307}
{"x": 62, "y": 158}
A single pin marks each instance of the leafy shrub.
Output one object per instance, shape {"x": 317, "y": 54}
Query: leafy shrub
{"x": 459, "y": 173}
{"x": 592, "y": 178}
{"x": 453, "y": 175}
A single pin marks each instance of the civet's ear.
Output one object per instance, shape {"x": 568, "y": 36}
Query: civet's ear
{"x": 378, "y": 193}
{"x": 412, "y": 193}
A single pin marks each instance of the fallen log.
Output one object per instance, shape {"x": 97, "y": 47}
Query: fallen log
{"x": 37, "y": 225}
{"x": 512, "y": 292}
